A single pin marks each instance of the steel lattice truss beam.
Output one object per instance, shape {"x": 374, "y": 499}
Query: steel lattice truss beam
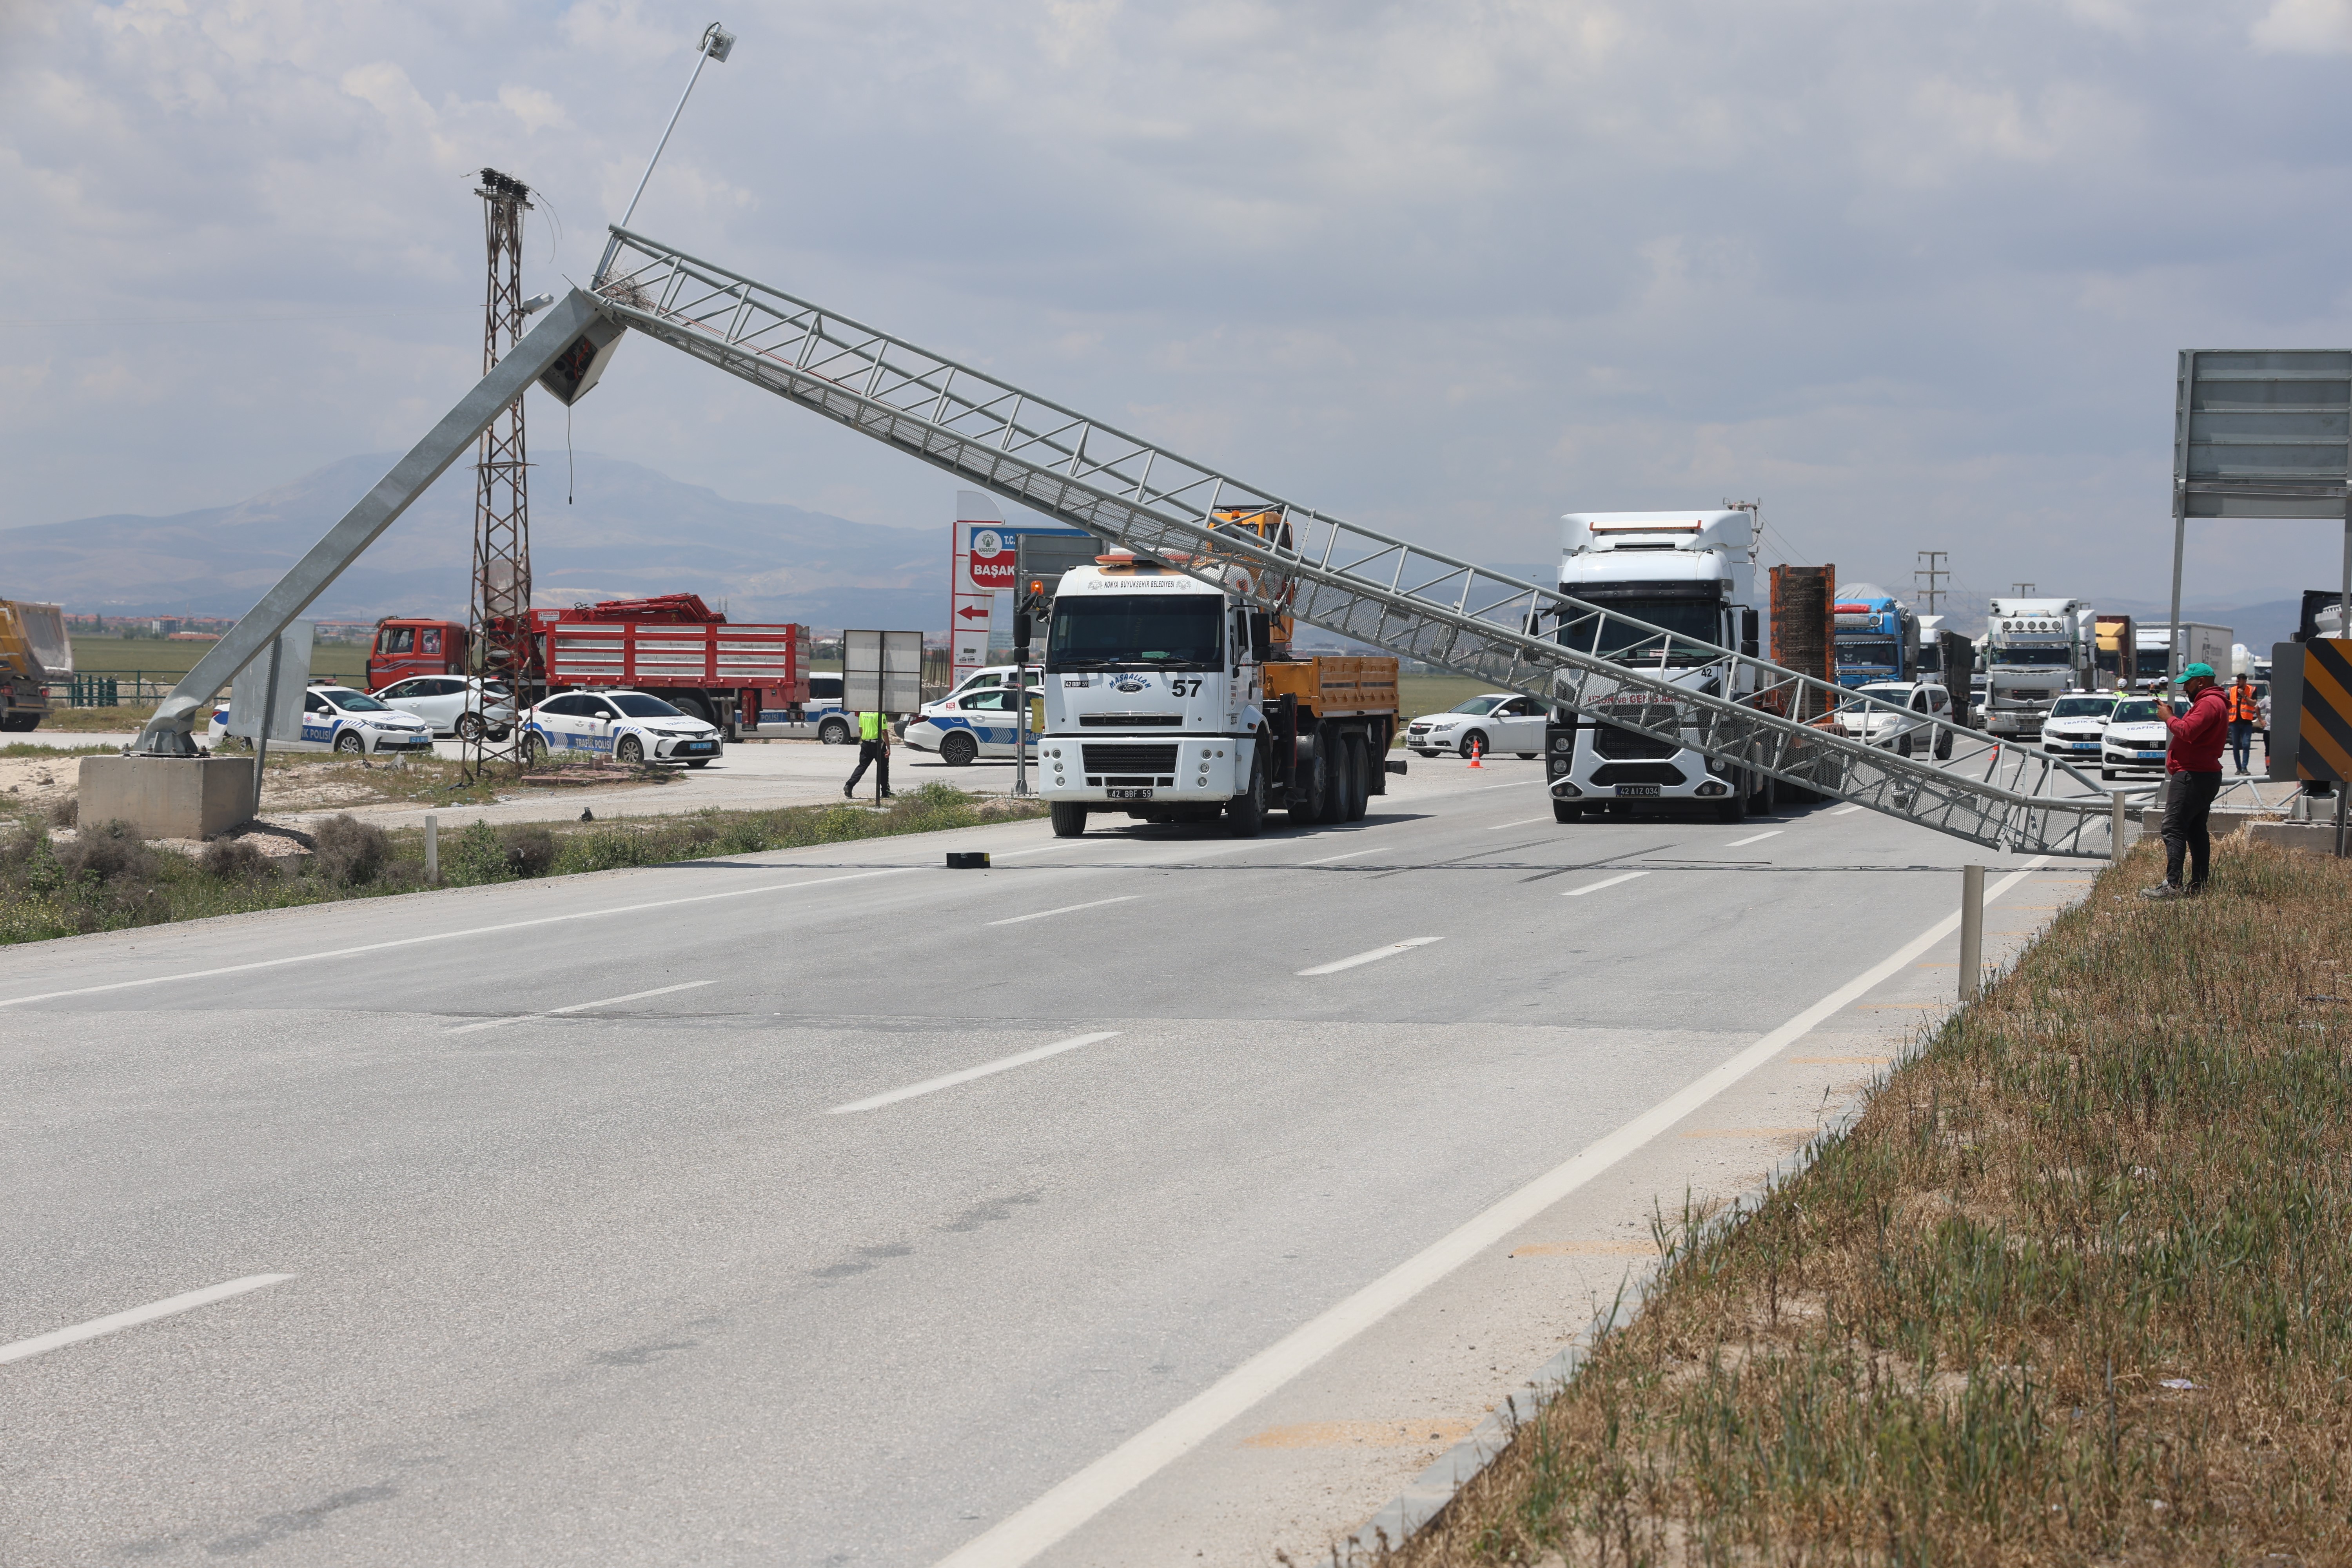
{"x": 1344, "y": 578}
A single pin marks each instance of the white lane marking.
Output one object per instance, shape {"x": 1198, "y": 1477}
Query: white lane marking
{"x": 1604, "y": 882}
{"x": 1373, "y": 957}
{"x": 1520, "y": 822}
{"x": 450, "y": 936}
{"x": 1024, "y": 1535}
{"x": 1755, "y": 839}
{"x": 575, "y": 1007}
{"x": 1513, "y": 783}
{"x": 1326, "y": 859}
{"x": 113, "y": 1322}
{"x": 1058, "y": 844}
{"x": 1066, "y": 909}
{"x": 1845, "y": 811}
{"x": 932, "y": 1084}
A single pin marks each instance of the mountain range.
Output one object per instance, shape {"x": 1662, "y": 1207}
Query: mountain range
{"x": 630, "y": 531}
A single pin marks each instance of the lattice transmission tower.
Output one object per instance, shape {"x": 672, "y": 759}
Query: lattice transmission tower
{"x": 499, "y": 619}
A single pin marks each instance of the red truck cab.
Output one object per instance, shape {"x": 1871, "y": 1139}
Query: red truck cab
{"x": 408, "y": 645}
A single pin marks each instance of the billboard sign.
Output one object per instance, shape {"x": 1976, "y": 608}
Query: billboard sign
{"x": 982, "y": 572}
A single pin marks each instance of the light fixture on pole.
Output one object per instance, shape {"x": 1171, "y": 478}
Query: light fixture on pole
{"x": 717, "y": 44}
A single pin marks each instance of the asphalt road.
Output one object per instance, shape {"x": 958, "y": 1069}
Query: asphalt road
{"x": 735, "y": 1260}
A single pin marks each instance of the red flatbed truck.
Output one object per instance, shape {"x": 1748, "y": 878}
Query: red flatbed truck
{"x": 675, "y": 647}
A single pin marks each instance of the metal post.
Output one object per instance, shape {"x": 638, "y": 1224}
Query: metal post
{"x": 717, "y": 41}
{"x": 1971, "y": 931}
{"x": 268, "y": 711}
{"x": 432, "y": 847}
{"x": 2180, "y": 510}
{"x": 2343, "y": 797}
{"x": 2116, "y": 832}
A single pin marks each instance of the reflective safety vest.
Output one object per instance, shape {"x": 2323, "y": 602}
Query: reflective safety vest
{"x": 869, "y": 726}
{"x": 2245, "y": 705}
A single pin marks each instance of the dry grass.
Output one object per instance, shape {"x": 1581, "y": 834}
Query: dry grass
{"x": 2077, "y": 1289}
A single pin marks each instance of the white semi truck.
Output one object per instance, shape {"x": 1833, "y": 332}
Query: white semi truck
{"x": 1691, "y": 574}
{"x": 2195, "y": 642}
{"x": 1169, "y": 698}
{"x": 2035, "y": 649}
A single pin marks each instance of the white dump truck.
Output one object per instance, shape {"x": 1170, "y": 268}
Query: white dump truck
{"x": 1169, "y": 698}
{"x": 1690, "y": 573}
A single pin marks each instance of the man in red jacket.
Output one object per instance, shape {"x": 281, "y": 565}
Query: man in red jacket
{"x": 2192, "y": 777}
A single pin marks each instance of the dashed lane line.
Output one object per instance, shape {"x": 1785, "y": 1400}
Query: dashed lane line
{"x": 576, "y": 1008}
{"x": 949, "y": 1081}
{"x": 114, "y": 1322}
{"x": 1604, "y": 882}
{"x": 1066, "y": 908}
{"x": 1374, "y": 956}
{"x": 1756, "y": 838}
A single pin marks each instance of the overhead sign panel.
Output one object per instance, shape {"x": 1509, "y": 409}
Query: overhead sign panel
{"x": 2262, "y": 432}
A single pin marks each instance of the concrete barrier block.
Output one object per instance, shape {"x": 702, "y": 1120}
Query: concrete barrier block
{"x": 167, "y": 797}
{"x": 2313, "y": 837}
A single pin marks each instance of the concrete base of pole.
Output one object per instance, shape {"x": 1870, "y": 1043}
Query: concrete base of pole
{"x": 167, "y": 797}
{"x": 2312, "y": 838}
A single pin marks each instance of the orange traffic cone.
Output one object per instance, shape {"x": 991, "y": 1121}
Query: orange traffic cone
{"x": 1476, "y": 746}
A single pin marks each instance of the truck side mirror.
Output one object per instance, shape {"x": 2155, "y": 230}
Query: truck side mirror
{"x": 1261, "y": 633}
{"x": 1748, "y": 631}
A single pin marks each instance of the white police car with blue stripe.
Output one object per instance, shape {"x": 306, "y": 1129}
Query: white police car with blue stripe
{"x": 338, "y": 719}
{"x": 981, "y": 722}
{"x": 628, "y": 726}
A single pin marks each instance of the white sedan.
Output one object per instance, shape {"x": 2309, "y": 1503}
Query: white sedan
{"x": 338, "y": 719}
{"x": 2135, "y": 738}
{"x": 450, "y": 704}
{"x": 1497, "y": 721}
{"x": 627, "y": 726}
{"x": 1899, "y": 733}
{"x": 980, "y": 724}
{"x": 2075, "y": 724}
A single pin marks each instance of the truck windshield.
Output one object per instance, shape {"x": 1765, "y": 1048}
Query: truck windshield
{"x": 1612, "y": 638}
{"x": 1172, "y": 631}
{"x": 2053, "y": 654}
{"x": 1876, "y": 651}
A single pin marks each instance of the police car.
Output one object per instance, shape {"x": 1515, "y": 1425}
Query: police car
{"x": 981, "y": 722}
{"x": 2135, "y": 738}
{"x": 338, "y": 719}
{"x": 627, "y": 726}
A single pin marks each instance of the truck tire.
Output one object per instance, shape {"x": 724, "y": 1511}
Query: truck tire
{"x": 1733, "y": 807}
{"x": 958, "y": 748}
{"x": 1333, "y": 747}
{"x": 1246, "y": 812}
{"x": 1567, "y": 811}
{"x": 1359, "y": 778}
{"x": 20, "y": 722}
{"x": 1764, "y": 796}
{"x": 1070, "y": 819}
{"x": 1304, "y": 799}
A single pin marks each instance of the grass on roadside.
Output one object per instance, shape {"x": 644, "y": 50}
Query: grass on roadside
{"x": 107, "y": 879}
{"x": 2077, "y": 1289}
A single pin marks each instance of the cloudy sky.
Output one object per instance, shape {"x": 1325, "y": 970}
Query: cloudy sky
{"x": 1913, "y": 274}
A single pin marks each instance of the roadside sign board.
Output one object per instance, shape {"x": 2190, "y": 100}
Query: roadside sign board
{"x": 2286, "y": 711}
{"x": 271, "y": 688}
{"x": 882, "y": 671}
{"x": 2324, "y": 730}
{"x": 2262, "y": 432}
{"x": 983, "y": 567}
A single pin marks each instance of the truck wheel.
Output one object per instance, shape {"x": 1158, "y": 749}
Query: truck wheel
{"x": 834, "y": 733}
{"x": 1246, "y": 812}
{"x": 1733, "y": 807}
{"x": 1764, "y": 796}
{"x": 958, "y": 748}
{"x": 1359, "y": 778}
{"x": 1304, "y": 799}
{"x": 1943, "y": 746}
{"x": 20, "y": 722}
{"x": 1070, "y": 819}
{"x": 631, "y": 751}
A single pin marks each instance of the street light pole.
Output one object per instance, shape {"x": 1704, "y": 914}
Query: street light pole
{"x": 717, "y": 44}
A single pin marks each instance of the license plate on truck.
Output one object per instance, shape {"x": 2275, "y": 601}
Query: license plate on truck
{"x": 1127, "y": 793}
{"x": 1637, "y": 789}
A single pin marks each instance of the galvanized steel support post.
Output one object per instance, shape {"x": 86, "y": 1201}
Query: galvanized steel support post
{"x": 1971, "y": 932}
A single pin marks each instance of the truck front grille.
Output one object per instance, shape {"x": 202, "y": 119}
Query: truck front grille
{"x": 1131, "y": 721}
{"x": 1608, "y": 741}
{"x": 1114, "y": 759}
{"x": 1609, "y": 774}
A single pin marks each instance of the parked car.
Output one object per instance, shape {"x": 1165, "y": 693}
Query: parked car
{"x": 994, "y": 676}
{"x": 1497, "y": 721}
{"x": 627, "y": 726}
{"x": 2076, "y": 721}
{"x": 2135, "y": 738}
{"x": 983, "y": 722}
{"x": 463, "y": 706}
{"x": 1900, "y": 731}
{"x": 338, "y": 719}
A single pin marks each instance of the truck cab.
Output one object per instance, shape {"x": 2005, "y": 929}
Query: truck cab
{"x": 1690, "y": 573}
{"x": 2035, "y": 651}
{"x": 412, "y": 644}
{"x": 1877, "y": 637}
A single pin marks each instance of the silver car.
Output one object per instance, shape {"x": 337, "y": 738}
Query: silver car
{"x": 459, "y": 705}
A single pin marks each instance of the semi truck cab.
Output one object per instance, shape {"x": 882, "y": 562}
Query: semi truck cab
{"x": 1690, "y": 573}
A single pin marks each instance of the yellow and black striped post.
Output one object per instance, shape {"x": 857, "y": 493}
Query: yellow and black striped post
{"x": 2324, "y": 736}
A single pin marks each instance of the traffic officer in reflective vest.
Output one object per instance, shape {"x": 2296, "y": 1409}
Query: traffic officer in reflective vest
{"x": 874, "y": 747}
{"x": 2245, "y": 712}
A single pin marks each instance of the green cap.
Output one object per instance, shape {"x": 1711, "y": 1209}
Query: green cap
{"x": 2192, "y": 672}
